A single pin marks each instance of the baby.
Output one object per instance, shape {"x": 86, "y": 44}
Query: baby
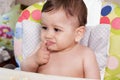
{"x": 60, "y": 53}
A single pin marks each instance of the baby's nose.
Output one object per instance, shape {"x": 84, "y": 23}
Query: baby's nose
{"x": 50, "y": 34}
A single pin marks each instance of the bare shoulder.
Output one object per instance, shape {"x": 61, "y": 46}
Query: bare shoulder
{"x": 91, "y": 68}
{"x": 86, "y": 52}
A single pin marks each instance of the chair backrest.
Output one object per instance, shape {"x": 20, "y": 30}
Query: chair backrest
{"x": 27, "y": 31}
{"x": 110, "y": 14}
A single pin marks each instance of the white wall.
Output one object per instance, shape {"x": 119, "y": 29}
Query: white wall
{"x": 94, "y": 10}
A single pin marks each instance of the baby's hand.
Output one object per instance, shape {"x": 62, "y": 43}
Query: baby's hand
{"x": 42, "y": 54}
{"x": 39, "y": 57}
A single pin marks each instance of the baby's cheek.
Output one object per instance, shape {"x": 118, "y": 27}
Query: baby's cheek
{"x": 62, "y": 44}
{"x": 42, "y": 36}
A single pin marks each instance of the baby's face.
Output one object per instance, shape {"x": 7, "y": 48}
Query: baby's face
{"x": 58, "y": 30}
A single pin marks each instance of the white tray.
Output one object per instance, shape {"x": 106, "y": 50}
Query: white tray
{"x": 8, "y": 74}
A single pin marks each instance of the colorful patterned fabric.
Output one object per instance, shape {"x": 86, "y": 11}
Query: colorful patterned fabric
{"x": 31, "y": 15}
{"x": 111, "y": 15}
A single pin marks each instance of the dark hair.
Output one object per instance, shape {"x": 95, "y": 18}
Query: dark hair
{"x": 71, "y": 7}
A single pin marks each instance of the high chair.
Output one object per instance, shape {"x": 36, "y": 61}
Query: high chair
{"x": 103, "y": 38}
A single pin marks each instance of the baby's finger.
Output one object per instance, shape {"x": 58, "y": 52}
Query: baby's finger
{"x": 43, "y": 46}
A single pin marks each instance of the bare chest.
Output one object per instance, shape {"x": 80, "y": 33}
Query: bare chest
{"x": 72, "y": 66}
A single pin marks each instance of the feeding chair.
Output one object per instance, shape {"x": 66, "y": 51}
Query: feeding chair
{"x": 102, "y": 38}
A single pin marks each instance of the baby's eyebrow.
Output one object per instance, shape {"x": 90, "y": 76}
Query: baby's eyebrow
{"x": 58, "y": 26}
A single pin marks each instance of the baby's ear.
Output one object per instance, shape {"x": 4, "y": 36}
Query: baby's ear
{"x": 79, "y": 33}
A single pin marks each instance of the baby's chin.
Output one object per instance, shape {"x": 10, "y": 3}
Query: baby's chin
{"x": 53, "y": 50}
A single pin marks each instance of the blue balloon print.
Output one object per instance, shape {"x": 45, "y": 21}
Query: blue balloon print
{"x": 106, "y": 10}
{"x": 18, "y": 33}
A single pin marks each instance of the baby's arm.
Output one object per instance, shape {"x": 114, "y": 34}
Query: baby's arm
{"x": 39, "y": 57}
{"x": 91, "y": 66}
{"x": 29, "y": 64}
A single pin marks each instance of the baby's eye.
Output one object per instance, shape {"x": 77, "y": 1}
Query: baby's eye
{"x": 56, "y": 29}
{"x": 44, "y": 28}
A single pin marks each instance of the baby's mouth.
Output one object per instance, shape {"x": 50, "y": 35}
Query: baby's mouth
{"x": 50, "y": 43}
